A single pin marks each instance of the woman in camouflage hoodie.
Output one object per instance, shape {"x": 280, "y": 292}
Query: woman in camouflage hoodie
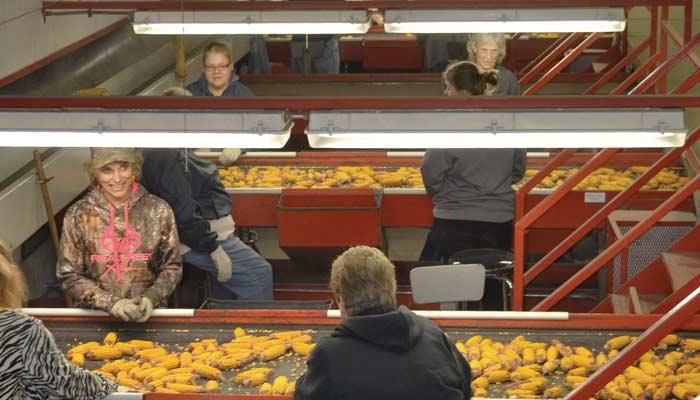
{"x": 119, "y": 246}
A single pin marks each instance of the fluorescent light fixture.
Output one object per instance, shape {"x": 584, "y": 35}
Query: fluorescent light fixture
{"x": 247, "y": 129}
{"x": 418, "y": 129}
{"x": 505, "y": 20}
{"x": 251, "y": 22}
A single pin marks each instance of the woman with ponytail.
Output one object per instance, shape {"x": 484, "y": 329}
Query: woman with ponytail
{"x": 471, "y": 188}
{"x": 31, "y": 365}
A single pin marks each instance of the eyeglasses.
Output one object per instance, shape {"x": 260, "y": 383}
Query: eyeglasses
{"x": 217, "y": 67}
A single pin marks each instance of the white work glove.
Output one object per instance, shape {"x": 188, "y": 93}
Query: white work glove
{"x": 229, "y": 156}
{"x": 126, "y": 310}
{"x": 223, "y": 264}
{"x": 145, "y": 307}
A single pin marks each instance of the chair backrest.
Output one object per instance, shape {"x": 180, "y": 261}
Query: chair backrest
{"x": 448, "y": 283}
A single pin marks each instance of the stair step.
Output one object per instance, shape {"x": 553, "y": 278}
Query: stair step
{"x": 681, "y": 267}
{"x": 644, "y": 303}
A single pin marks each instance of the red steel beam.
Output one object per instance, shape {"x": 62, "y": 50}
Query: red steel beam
{"x": 563, "y": 63}
{"x": 676, "y": 37}
{"x": 603, "y": 213}
{"x": 637, "y": 74}
{"x": 603, "y": 258}
{"x": 666, "y": 66}
{"x": 326, "y": 103}
{"x": 548, "y": 51}
{"x": 618, "y": 67}
{"x": 340, "y": 4}
{"x": 688, "y": 83}
{"x": 661, "y": 86}
{"x": 688, "y": 21}
{"x": 549, "y": 58}
{"x": 647, "y": 340}
{"x": 530, "y": 184}
{"x": 536, "y": 212}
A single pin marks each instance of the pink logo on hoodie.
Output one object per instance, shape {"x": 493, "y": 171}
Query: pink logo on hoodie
{"x": 121, "y": 251}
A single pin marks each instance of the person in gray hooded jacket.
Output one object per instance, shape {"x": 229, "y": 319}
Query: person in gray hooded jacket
{"x": 471, "y": 188}
{"x": 380, "y": 351}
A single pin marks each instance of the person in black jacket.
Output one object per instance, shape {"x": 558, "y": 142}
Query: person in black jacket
{"x": 202, "y": 208}
{"x": 192, "y": 187}
{"x": 380, "y": 351}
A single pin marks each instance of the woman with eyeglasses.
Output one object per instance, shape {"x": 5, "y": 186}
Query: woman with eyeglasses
{"x": 471, "y": 188}
{"x": 219, "y": 77}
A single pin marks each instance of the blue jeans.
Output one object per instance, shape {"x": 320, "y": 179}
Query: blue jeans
{"x": 251, "y": 278}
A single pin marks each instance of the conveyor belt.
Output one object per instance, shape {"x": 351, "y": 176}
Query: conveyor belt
{"x": 175, "y": 336}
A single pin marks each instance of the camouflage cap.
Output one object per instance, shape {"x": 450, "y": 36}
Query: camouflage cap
{"x": 101, "y": 156}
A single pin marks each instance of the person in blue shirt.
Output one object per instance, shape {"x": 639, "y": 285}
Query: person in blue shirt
{"x": 219, "y": 77}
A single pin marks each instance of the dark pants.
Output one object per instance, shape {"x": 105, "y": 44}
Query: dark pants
{"x": 450, "y": 236}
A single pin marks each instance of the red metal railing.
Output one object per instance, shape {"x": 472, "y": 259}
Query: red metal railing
{"x": 603, "y": 213}
{"x": 521, "y": 279}
{"x": 647, "y": 340}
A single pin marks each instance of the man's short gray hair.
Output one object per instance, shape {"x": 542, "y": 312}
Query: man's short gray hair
{"x": 363, "y": 277}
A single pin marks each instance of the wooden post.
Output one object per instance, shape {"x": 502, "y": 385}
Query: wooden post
{"x": 43, "y": 181}
{"x": 180, "y": 66}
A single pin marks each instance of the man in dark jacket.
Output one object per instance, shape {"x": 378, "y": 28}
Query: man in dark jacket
{"x": 379, "y": 351}
{"x": 219, "y": 77}
{"x": 202, "y": 208}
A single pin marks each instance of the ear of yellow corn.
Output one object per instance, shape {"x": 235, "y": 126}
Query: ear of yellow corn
{"x": 474, "y": 340}
{"x": 290, "y": 389}
{"x": 279, "y": 385}
{"x": 185, "y": 388}
{"x": 690, "y": 345}
{"x": 663, "y": 392}
{"x": 265, "y": 388}
{"x": 110, "y": 339}
{"x": 235, "y": 361}
{"x": 206, "y": 371}
{"x": 255, "y": 380}
{"x": 554, "y": 392}
{"x": 185, "y": 359}
{"x": 579, "y": 371}
{"x": 128, "y": 382}
{"x": 618, "y": 342}
{"x": 212, "y": 387}
{"x": 635, "y": 390}
{"x": 125, "y": 348}
{"x": 171, "y": 361}
{"x": 151, "y": 353}
{"x": 573, "y": 380}
{"x": 286, "y": 335}
{"x": 497, "y": 376}
{"x": 141, "y": 344}
{"x": 104, "y": 353}
{"x": 273, "y": 352}
{"x": 601, "y": 359}
{"x": 549, "y": 366}
{"x": 303, "y": 349}
{"x": 239, "y": 332}
{"x": 78, "y": 359}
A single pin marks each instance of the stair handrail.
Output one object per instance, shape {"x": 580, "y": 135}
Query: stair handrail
{"x": 612, "y": 205}
{"x": 608, "y": 254}
{"x": 666, "y": 324}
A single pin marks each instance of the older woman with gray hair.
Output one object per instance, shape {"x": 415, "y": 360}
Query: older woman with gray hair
{"x": 380, "y": 351}
{"x": 487, "y": 51}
